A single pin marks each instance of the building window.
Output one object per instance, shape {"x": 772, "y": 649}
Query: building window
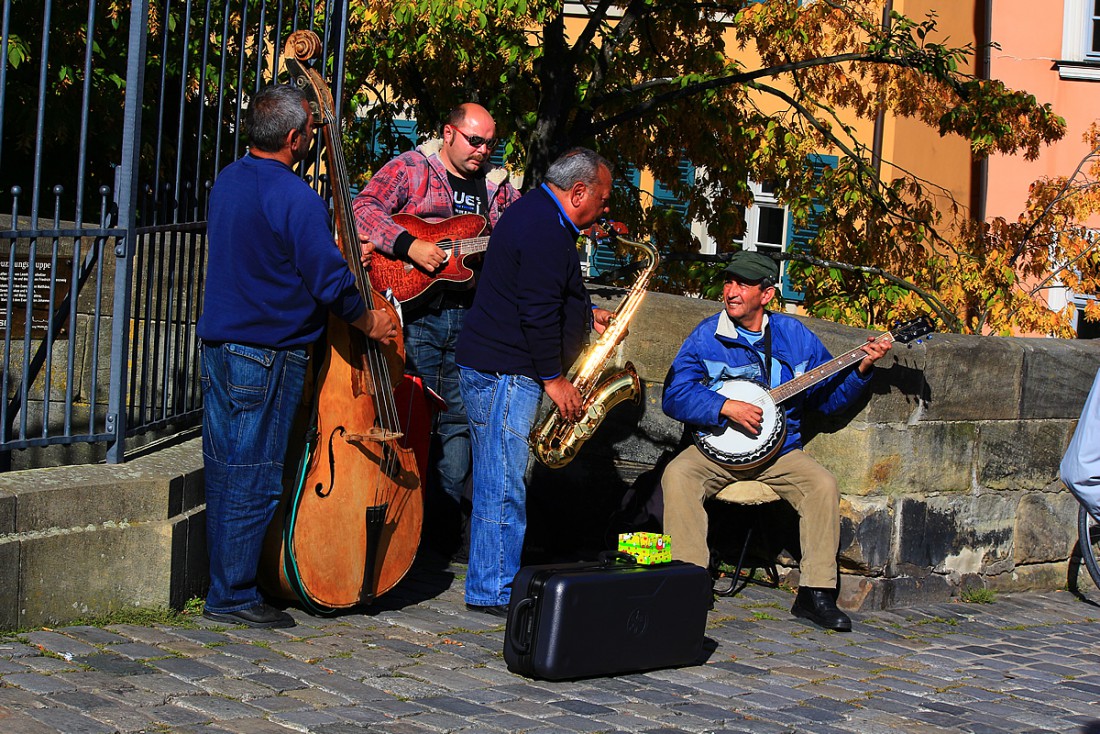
{"x": 765, "y": 222}
{"x": 1093, "y": 49}
{"x": 1080, "y": 40}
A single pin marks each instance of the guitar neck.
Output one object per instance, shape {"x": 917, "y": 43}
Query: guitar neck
{"x": 822, "y": 372}
{"x": 470, "y": 246}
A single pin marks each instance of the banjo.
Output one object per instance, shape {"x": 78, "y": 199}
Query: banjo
{"x": 732, "y": 446}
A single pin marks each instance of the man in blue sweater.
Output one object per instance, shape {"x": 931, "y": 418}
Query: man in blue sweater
{"x": 524, "y": 330}
{"x": 746, "y": 341}
{"x": 273, "y": 275}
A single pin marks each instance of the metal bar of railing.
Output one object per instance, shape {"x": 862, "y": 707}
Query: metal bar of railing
{"x": 126, "y": 196}
{"x": 5, "y": 38}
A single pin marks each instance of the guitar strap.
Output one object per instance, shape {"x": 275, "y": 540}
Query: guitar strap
{"x": 767, "y": 339}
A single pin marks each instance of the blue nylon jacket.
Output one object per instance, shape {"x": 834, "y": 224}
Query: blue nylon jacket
{"x": 707, "y": 358}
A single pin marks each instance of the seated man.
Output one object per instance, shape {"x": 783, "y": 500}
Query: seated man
{"x": 745, "y": 341}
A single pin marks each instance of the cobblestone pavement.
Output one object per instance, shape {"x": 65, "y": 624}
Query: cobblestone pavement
{"x": 420, "y": 662}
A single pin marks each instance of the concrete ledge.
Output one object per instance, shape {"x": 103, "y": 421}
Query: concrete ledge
{"x": 80, "y": 540}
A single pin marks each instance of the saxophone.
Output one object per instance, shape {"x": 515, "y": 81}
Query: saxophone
{"x": 554, "y": 440}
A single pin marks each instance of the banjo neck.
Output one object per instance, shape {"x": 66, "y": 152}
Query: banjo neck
{"x": 823, "y": 372}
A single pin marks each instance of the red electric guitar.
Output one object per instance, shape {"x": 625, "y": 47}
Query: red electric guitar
{"x": 457, "y": 236}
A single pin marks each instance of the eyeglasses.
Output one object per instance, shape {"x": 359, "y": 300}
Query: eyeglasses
{"x": 476, "y": 141}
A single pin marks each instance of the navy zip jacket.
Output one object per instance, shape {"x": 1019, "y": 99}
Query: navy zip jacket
{"x": 531, "y": 311}
{"x": 274, "y": 269}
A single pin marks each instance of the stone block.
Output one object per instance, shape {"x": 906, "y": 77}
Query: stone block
{"x": 967, "y": 371}
{"x": 866, "y": 535}
{"x": 9, "y": 563}
{"x": 9, "y": 585}
{"x": 956, "y": 534}
{"x": 893, "y": 592}
{"x": 1020, "y": 454}
{"x": 53, "y": 506}
{"x": 1046, "y": 527}
{"x": 1057, "y": 376}
{"x": 69, "y": 575}
{"x": 658, "y": 329}
{"x": 886, "y": 459}
{"x": 1033, "y": 577}
{"x": 189, "y": 564}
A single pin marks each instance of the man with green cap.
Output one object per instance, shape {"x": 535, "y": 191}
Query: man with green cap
{"x": 746, "y": 341}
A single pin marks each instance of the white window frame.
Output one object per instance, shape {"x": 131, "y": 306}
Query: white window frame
{"x": 1078, "y": 61}
{"x": 763, "y": 200}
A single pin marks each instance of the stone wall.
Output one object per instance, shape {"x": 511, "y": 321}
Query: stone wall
{"x": 948, "y": 470}
{"x": 93, "y": 539}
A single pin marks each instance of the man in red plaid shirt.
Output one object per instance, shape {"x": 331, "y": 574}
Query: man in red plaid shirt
{"x": 438, "y": 180}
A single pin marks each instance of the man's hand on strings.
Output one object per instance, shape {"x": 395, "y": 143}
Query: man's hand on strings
{"x": 748, "y": 416}
{"x": 427, "y": 255}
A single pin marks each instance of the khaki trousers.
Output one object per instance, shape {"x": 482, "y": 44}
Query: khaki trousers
{"x": 691, "y": 479}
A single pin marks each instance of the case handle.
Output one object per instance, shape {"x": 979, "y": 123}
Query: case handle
{"x": 521, "y": 631}
{"x": 608, "y": 559}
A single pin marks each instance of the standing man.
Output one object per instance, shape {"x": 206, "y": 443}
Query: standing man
{"x": 435, "y": 183}
{"x": 525, "y": 329}
{"x": 274, "y": 274}
{"x": 746, "y": 341}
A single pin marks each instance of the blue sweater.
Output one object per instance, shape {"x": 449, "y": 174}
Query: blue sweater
{"x": 531, "y": 311}
{"x": 274, "y": 269}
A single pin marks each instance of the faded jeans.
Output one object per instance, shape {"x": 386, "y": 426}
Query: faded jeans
{"x": 501, "y": 410}
{"x": 250, "y": 395}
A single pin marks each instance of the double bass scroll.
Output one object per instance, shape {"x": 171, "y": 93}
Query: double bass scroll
{"x": 351, "y": 517}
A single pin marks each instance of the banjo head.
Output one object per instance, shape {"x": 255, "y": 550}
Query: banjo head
{"x": 732, "y": 446}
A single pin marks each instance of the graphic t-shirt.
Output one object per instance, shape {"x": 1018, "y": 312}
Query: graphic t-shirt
{"x": 470, "y": 195}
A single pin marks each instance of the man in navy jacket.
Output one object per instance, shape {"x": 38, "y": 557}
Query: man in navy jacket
{"x": 527, "y": 325}
{"x": 745, "y": 341}
{"x": 273, "y": 276}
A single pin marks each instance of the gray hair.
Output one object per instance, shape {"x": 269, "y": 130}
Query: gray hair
{"x": 576, "y": 165}
{"x": 274, "y": 112}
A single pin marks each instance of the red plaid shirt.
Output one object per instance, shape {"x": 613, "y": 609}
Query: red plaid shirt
{"x": 413, "y": 183}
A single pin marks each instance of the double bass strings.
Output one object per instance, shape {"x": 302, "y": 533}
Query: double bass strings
{"x": 386, "y": 404}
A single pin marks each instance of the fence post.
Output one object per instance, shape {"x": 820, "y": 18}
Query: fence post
{"x": 126, "y": 190}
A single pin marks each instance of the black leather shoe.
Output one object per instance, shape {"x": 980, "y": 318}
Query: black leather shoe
{"x": 819, "y": 606}
{"x": 499, "y": 610}
{"x": 259, "y": 616}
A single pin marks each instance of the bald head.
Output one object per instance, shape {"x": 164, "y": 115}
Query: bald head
{"x": 469, "y": 137}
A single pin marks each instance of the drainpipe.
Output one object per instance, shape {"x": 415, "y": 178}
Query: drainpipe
{"x": 979, "y": 169}
{"x": 876, "y": 141}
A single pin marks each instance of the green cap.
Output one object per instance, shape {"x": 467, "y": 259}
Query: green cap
{"x": 753, "y": 266}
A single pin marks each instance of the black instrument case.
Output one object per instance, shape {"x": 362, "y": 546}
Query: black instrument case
{"x": 611, "y": 616}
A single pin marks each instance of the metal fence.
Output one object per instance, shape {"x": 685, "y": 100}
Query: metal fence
{"x": 114, "y": 121}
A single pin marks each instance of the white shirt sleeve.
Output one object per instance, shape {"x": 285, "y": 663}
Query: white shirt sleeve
{"x": 1080, "y": 468}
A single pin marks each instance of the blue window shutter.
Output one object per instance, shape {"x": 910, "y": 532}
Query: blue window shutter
{"x": 400, "y": 129}
{"x": 665, "y": 198}
{"x": 604, "y": 257}
{"x": 798, "y": 238}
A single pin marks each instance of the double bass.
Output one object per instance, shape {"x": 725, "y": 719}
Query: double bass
{"x": 349, "y": 525}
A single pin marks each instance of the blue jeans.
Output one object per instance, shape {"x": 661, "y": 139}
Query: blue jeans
{"x": 250, "y": 395}
{"x": 430, "y": 355}
{"x": 501, "y": 410}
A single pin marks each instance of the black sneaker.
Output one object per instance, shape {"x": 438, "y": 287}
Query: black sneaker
{"x": 498, "y": 610}
{"x": 260, "y": 616}
{"x": 819, "y": 606}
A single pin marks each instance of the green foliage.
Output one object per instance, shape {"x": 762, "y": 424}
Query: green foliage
{"x": 978, "y": 595}
{"x": 741, "y": 89}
